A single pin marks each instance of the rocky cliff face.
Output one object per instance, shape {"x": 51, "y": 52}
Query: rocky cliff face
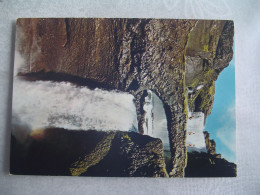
{"x": 209, "y": 51}
{"x": 209, "y": 164}
{"x": 210, "y": 144}
{"x": 133, "y": 55}
{"x": 88, "y": 153}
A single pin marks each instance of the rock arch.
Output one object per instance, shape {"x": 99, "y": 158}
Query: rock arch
{"x": 129, "y": 55}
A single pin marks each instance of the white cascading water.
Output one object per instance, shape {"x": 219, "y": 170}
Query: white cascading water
{"x": 42, "y": 104}
{"x": 195, "y": 140}
{"x": 148, "y": 108}
{"x": 155, "y": 119}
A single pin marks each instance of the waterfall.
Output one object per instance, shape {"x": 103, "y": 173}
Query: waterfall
{"x": 195, "y": 138}
{"x": 155, "y": 119}
{"x": 43, "y": 104}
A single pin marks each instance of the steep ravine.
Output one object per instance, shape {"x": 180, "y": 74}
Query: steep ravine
{"x": 167, "y": 57}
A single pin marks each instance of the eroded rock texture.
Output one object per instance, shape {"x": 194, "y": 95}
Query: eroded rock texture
{"x": 210, "y": 143}
{"x": 209, "y": 165}
{"x": 209, "y": 51}
{"x": 133, "y": 55}
{"x": 88, "y": 153}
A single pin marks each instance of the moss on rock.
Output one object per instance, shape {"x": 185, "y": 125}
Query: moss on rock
{"x": 88, "y": 153}
{"x": 208, "y": 52}
{"x": 209, "y": 165}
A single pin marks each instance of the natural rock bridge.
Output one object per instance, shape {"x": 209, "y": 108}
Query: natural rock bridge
{"x": 133, "y": 55}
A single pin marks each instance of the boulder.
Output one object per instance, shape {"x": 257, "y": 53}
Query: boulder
{"x": 56, "y": 151}
{"x": 209, "y": 165}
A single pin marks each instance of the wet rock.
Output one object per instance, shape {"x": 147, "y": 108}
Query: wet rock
{"x": 209, "y": 165}
{"x": 118, "y": 54}
{"x": 133, "y": 55}
{"x": 88, "y": 153}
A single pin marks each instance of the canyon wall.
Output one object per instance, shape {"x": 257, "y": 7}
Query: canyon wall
{"x": 209, "y": 51}
{"x": 133, "y": 55}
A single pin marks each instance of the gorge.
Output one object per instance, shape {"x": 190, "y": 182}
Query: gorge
{"x": 172, "y": 62}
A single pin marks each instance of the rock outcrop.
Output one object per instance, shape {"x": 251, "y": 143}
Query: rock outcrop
{"x": 209, "y": 51}
{"x": 88, "y": 153}
{"x": 133, "y": 55}
{"x": 208, "y": 165}
{"x": 210, "y": 144}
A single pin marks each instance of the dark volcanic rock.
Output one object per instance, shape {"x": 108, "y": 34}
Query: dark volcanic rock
{"x": 208, "y": 165}
{"x": 136, "y": 156}
{"x": 133, "y": 55}
{"x": 88, "y": 153}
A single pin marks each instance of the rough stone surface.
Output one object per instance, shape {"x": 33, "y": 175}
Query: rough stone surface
{"x": 210, "y": 144}
{"x": 133, "y": 55}
{"x": 208, "y": 165}
{"x": 88, "y": 153}
{"x": 209, "y": 51}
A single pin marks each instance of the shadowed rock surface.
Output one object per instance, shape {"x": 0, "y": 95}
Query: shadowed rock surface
{"x": 134, "y": 55}
{"x": 88, "y": 153}
{"x": 209, "y": 51}
{"x": 210, "y": 144}
{"x": 209, "y": 165}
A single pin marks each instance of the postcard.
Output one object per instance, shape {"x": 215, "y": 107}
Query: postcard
{"x": 124, "y": 97}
